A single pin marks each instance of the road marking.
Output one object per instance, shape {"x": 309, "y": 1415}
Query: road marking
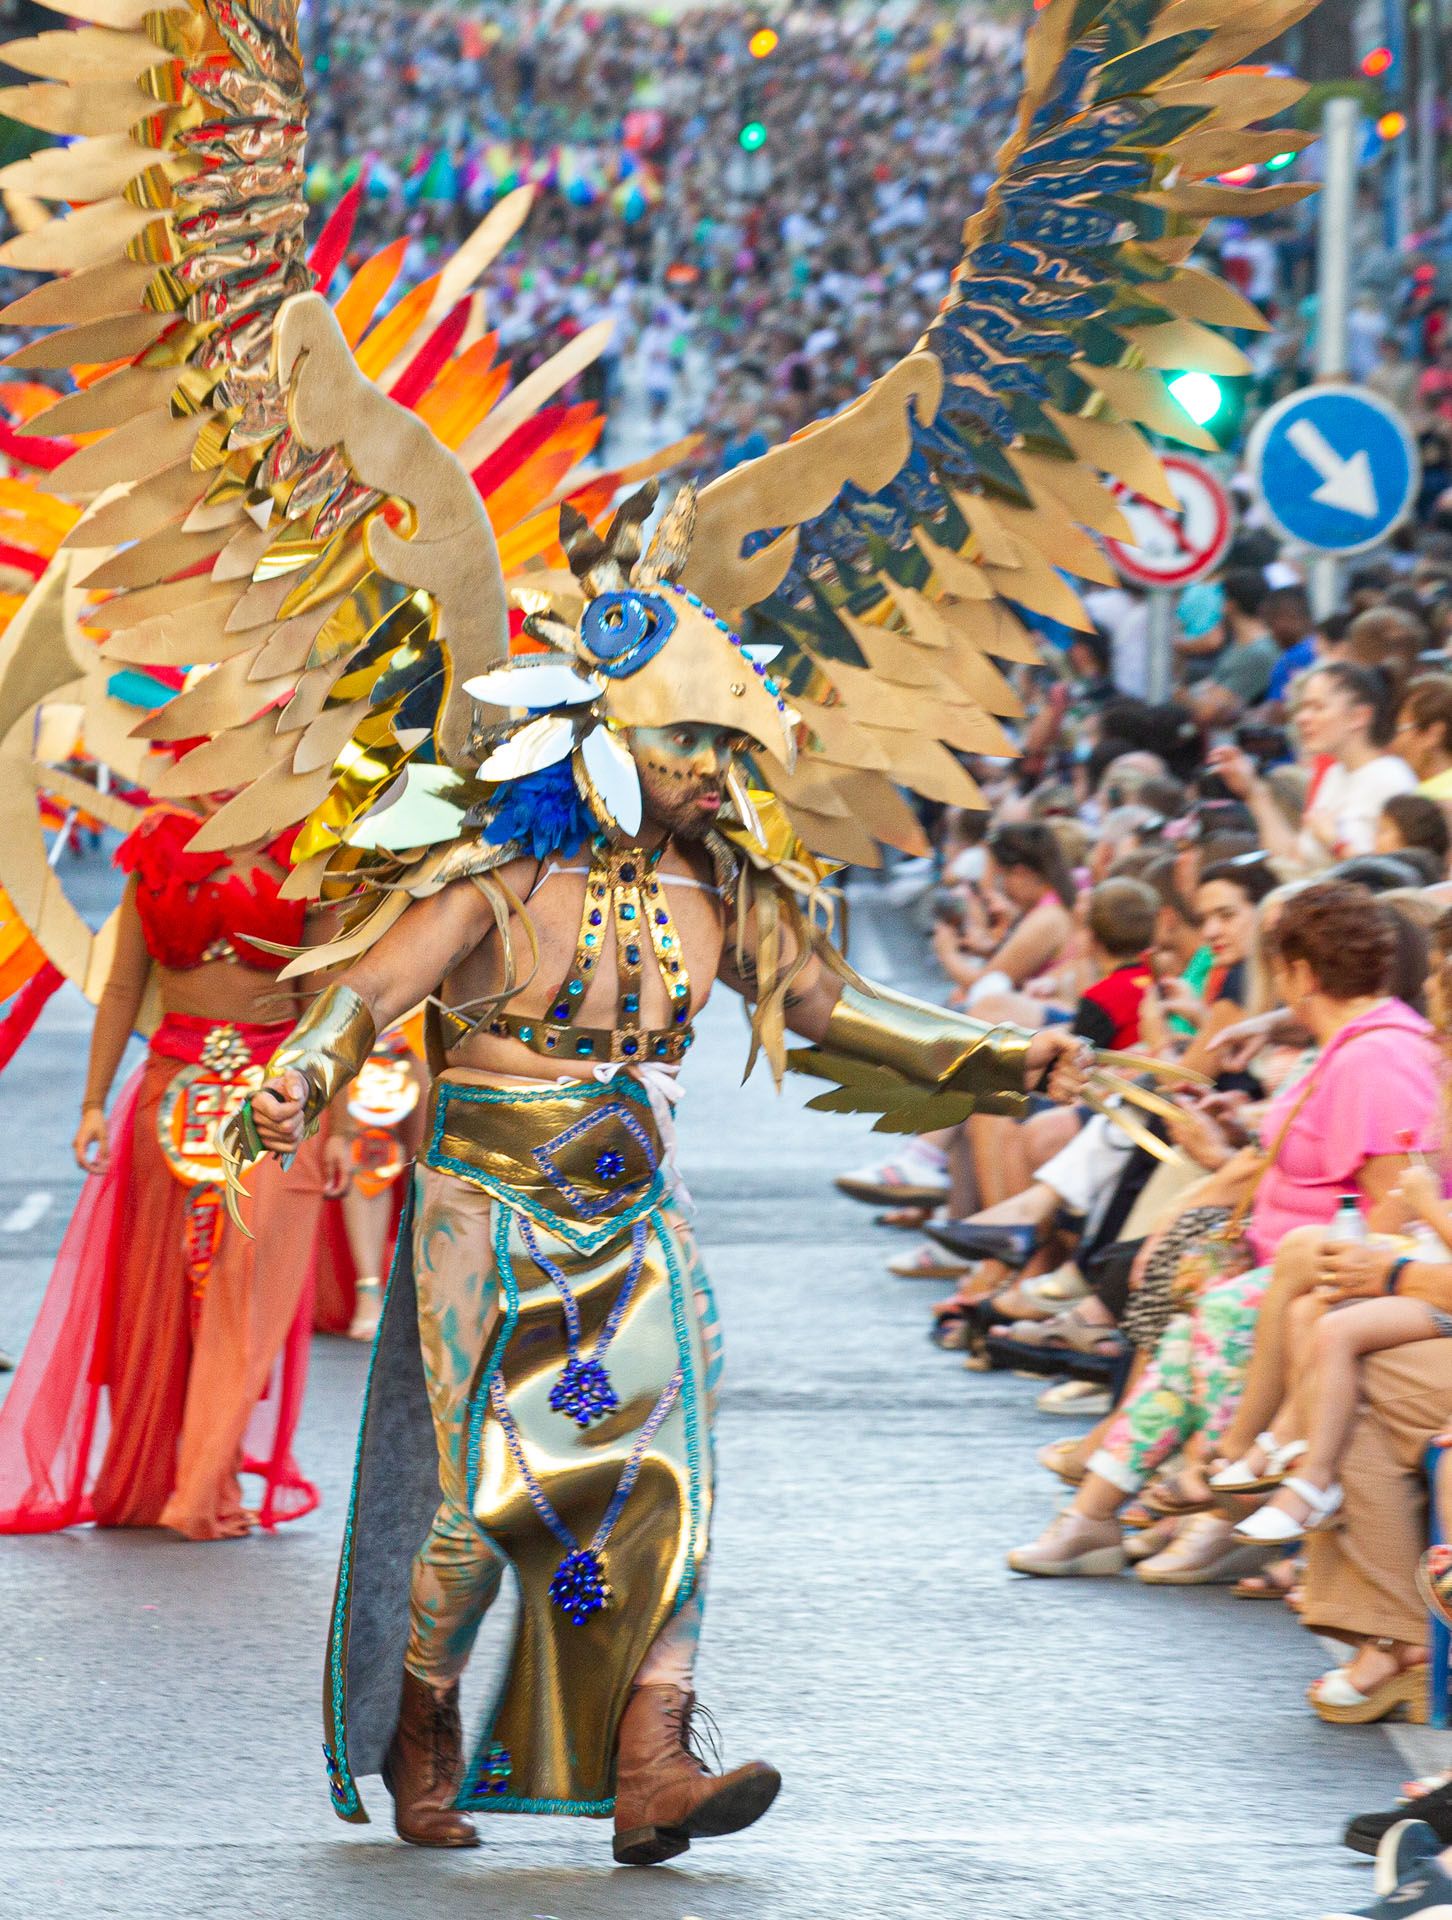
{"x": 31, "y": 1211}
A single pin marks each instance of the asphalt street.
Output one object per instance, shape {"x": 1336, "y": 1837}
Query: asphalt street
{"x": 954, "y": 1741}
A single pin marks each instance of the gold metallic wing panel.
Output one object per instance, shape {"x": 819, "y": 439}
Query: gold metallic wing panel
{"x": 889, "y": 551}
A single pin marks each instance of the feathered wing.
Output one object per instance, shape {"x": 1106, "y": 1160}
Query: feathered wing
{"x": 319, "y": 505}
{"x": 890, "y": 550}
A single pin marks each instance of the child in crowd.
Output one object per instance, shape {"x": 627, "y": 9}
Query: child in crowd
{"x": 1412, "y": 821}
{"x": 1119, "y": 922}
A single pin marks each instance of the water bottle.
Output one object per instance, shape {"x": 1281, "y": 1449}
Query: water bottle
{"x": 1348, "y": 1223}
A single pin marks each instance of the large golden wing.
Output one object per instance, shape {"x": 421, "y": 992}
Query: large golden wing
{"x": 889, "y": 551}
{"x": 305, "y": 521}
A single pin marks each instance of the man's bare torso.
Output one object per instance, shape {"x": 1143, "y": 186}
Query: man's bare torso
{"x": 555, "y": 888}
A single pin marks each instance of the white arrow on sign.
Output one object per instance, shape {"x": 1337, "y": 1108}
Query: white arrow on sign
{"x": 1346, "y": 482}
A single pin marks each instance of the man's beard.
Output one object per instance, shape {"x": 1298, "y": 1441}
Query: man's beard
{"x": 679, "y": 812}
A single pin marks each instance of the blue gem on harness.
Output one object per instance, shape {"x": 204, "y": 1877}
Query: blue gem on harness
{"x": 579, "y": 1589}
{"x": 610, "y": 1164}
{"x": 583, "y": 1392}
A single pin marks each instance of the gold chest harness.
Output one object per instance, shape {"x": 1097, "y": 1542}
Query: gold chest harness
{"x": 625, "y": 900}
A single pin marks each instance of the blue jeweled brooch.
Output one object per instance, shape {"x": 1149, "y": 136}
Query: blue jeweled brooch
{"x": 583, "y": 1391}
{"x": 578, "y": 1588}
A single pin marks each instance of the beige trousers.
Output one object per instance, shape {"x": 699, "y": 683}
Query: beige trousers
{"x": 1361, "y": 1578}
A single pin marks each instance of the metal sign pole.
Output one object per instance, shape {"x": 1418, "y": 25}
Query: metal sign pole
{"x": 1429, "y": 112}
{"x": 1340, "y": 137}
{"x": 1160, "y": 676}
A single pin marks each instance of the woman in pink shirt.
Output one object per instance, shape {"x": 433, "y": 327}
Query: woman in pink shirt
{"x": 1345, "y": 1127}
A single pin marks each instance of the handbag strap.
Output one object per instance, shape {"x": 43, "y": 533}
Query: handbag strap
{"x": 1242, "y": 1207}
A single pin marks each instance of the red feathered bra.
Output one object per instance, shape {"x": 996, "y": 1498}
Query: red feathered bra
{"x": 190, "y": 903}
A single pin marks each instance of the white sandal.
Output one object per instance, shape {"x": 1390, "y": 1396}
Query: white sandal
{"x": 1242, "y": 1478}
{"x": 926, "y": 1262}
{"x": 1275, "y": 1526}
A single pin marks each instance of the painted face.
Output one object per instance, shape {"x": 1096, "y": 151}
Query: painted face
{"x": 683, "y": 773}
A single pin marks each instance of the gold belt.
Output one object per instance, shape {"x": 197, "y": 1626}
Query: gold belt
{"x": 583, "y": 1159}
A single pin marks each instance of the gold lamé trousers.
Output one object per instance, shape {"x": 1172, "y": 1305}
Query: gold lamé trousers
{"x": 544, "y": 1229}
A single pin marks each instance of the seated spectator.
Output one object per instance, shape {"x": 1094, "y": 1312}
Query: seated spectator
{"x": 1412, "y": 821}
{"x": 1287, "y": 615}
{"x": 1242, "y": 670}
{"x": 1120, "y": 921}
{"x": 1019, "y": 924}
{"x": 1373, "y": 1093}
{"x": 1424, "y": 733}
{"x": 1343, "y": 717}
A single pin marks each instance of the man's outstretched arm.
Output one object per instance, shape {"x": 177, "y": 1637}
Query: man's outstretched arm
{"x": 931, "y": 1047}
{"x": 334, "y": 1038}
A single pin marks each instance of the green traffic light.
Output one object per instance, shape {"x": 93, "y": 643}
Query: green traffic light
{"x": 1199, "y": 394}
{"x": 752, "y": 136}
{"x": 1277, "y": 161}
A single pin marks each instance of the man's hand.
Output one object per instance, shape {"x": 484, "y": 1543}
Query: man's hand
{"x": 337, "y": 1165}
{"x": 278, "y": 1109}
{"x": 1064, "y": 1058}
{"x": 1355, "y": 1269}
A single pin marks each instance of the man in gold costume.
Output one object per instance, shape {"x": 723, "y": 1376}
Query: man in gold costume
{"x": 549, "y": 1300}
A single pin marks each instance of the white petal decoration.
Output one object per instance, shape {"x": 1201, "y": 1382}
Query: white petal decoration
{"x": 764, "y": 653}
{"x": 545, "y": 683}
{"x": 612, "y": 773}
{"x": 538, "y": 745}
{"x": 416, "y": 811}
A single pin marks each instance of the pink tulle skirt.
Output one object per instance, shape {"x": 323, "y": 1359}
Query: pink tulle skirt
{"x": 141, "y": 1402}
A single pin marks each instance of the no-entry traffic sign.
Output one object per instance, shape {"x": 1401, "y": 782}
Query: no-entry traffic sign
{"x": 1174, "y": 549}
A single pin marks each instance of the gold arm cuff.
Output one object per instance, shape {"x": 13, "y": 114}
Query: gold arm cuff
{"x": 327, "y": 1046}
{"x": 932, "y": 1047}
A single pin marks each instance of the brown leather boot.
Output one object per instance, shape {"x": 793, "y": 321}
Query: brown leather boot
{"x": 424, "y": 1766}
{"x": 664, "y": 1796}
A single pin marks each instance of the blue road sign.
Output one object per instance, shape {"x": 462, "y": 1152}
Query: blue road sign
{"x": 1336, "y": 468}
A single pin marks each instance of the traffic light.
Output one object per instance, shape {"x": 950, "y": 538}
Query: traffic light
{"x": 752, "y": 137}
{"x": 1391, "y": 126}
{"x": 1277, "y": 161}
{"x": 1378, "y": 62}
{"x": 1199, "y": 394}
{"x": 1213, "y": 401}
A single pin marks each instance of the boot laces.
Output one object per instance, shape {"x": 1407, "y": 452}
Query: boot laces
{"x": 701, "y": 1738}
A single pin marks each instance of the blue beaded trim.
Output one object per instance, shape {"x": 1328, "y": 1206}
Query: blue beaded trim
{"x": 758, "y": 667}
{"x": 478, "y": 1406}
{"x": 570, "y": 1231}
{"x": 341, "y": 1785}
{"x": 513, "y": 1803}
{"x": 587, "y": 1207}
{"x": 691, "y": 1403}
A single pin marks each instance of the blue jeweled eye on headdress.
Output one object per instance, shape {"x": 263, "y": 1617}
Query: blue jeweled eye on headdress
{"x": 625, "y": 628}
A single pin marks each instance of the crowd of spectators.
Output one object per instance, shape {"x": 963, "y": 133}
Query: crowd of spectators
{"x": 1246, "y": 1298}
{"x": 787, "y": 275}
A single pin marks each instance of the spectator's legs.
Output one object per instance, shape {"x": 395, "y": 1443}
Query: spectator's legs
{"x": 1269, "y": 1376}
{"x": 1339, "y": 1342}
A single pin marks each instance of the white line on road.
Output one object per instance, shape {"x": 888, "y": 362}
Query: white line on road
{"x": 31, "y": 1211}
